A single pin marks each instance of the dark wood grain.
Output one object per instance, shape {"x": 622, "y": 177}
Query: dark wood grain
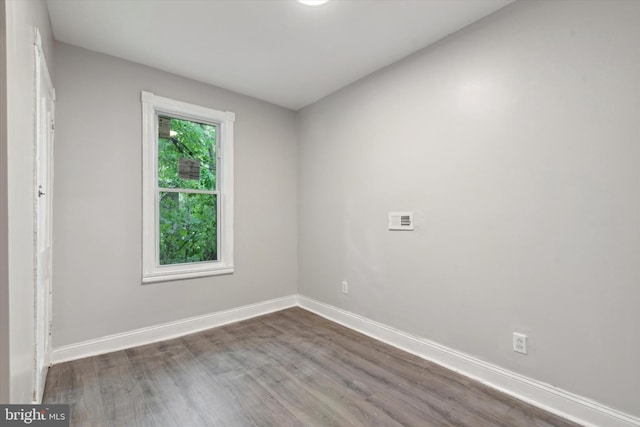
{"x": 290, "y": 368}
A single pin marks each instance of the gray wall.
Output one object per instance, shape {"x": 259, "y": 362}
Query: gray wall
{"x": 97, "y": 208}
{"x": 22, "y": 17}
{"x": 4, "y": 220}
{"x": 516, "y": 143}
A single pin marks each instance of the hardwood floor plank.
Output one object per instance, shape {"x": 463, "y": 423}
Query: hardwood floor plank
{"x": 175, "y": 394}
{"x": 356, "y": 365}
{"x": 290, "y": 368}
{"x": 227, "y": 371}
{"x": 114, "y": 379}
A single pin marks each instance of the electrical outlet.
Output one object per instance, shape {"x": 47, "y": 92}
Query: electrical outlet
{"x": 519, "y": 343}
{"x": 345, "y": 287}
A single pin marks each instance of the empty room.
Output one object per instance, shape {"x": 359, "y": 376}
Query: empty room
{"x": 320, "y": 213}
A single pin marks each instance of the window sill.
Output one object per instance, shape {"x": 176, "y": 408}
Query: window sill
{"x": 184, "y": 274}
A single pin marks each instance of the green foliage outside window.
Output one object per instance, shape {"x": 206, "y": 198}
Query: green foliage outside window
{"x": 188, "y": 221}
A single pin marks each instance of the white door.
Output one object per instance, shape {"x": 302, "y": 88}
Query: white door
{"x": 45, "y": 126}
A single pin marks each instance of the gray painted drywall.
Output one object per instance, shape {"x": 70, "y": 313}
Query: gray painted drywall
{"x": 516, "y": 143}
{"x": 97, "y": 201}
{"x": 22, "y": 17}
{"x": 4, "y": 219}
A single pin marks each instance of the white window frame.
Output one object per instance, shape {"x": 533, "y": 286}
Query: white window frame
{"x": 152, "y": 271}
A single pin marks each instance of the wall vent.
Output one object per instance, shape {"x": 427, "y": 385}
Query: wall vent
{"x": 400, "y": 220}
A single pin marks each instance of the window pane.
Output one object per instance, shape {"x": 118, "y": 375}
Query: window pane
{"x": 188, "y": 228}
{"x": 186, "y": 154}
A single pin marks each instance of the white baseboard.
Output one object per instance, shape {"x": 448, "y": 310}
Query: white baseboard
{"x": 167, "y": 330}
{"x": 545, "y": 396}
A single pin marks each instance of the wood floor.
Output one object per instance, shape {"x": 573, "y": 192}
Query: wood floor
{"x": 290, "y": 368}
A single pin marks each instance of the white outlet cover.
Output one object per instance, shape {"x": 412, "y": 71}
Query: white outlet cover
{"x": 519, "y": 343}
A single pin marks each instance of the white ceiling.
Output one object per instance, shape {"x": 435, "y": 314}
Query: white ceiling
{"x": 276, "y": 50}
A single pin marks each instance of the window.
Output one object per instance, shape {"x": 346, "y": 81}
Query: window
{"x": 187, "y": 190}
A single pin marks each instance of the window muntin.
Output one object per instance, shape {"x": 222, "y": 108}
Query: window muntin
{"x": 188, "y": 190}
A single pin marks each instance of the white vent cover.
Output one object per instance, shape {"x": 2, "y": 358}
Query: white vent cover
{"x": 401, "y": 221}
